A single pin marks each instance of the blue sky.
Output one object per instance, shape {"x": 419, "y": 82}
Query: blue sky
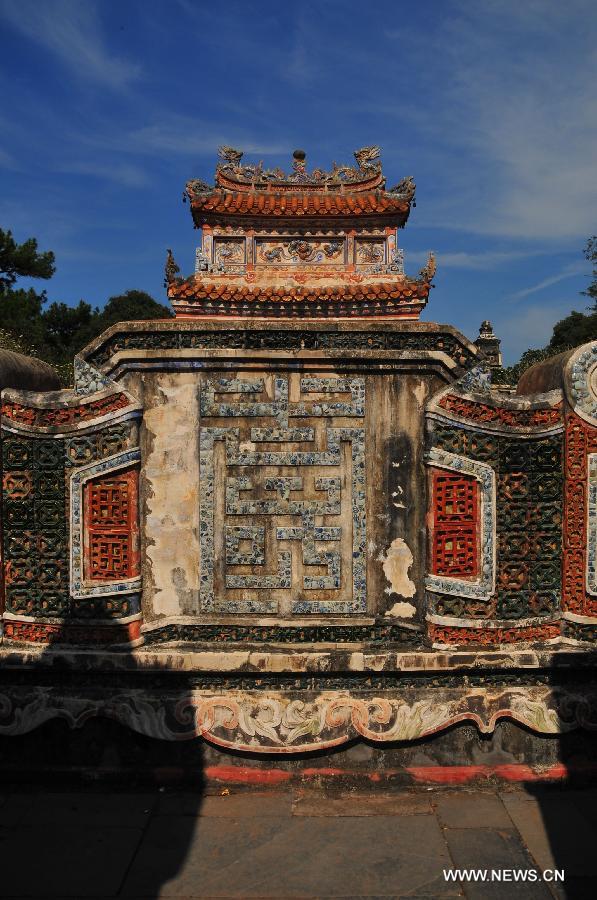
{"x": 109, "y": 107}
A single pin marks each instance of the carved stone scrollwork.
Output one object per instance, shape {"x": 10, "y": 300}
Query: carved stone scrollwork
{"x": 265, "y": 722}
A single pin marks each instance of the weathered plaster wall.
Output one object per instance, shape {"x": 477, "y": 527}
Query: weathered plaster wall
{"x": 170, "y": 494}
{"x": 394, "y": 489}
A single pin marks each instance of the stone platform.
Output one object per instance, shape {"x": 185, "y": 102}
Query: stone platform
{"x": 295, "y": 843}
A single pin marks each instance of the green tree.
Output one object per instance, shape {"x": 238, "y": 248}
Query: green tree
{"x": 56, "y": 333}
{"x": 66, "y": 329}
{"x": 591, "y": 256}
{"x": 575, "y": 329}
{"x": 132, "y": 306}
{"x": 22, "y": 260}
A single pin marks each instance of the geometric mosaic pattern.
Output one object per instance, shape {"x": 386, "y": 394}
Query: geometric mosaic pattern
{"x": 104, "y": 555}
{"x": 528, "y": 524}
{"x": 579, "y": 578}
{"x": 111, "y": 540}
{"x": 35, "y": 536}
{"x": 276, "y": 494}
{"x": 455, "y": 508}
{"x": 464, "y": 524}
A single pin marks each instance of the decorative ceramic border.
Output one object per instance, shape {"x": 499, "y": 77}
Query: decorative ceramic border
{"x": 591, "y": 564}
{"x": 78, "y": 587}
{"x": 483, "y": 587}
{"x": 578, "y": 382}
{"x": 297, "y": 722}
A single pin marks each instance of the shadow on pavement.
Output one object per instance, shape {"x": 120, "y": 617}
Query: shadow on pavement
{"x": 92, "y": 800}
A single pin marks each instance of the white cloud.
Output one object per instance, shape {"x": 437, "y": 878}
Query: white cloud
{"x": 7, "y": 161}
{"x": 121, "y": 173}
{"x": 514, "y": 113}
{"x": 189, "y": 136}
{"x": 531, "y": 328}
{"x": 71, "y": 30}
{"x": 479, "y": 262}
{"x": 567, "y": 272}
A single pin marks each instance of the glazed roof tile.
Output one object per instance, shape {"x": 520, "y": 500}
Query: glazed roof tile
{"x": 249, "y": 190}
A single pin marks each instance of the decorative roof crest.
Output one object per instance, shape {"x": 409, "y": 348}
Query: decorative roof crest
{"x": 367, "y": 158}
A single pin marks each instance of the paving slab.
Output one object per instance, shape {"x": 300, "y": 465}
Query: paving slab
{"x": 557, "y": 832}
{"x": 227, "y": 806}
{"x": 64, "y": 860}
{"x": 356, "y": 805}
{"x": 128, "y": 810}
{"x": 293, "y": 858}
{"x": 489, "y": 849}
{"x": 461, "y": 809}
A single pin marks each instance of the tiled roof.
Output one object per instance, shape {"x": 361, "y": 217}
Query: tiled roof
{"x": 400, "y": 298}
{"x": 316, "y": 204}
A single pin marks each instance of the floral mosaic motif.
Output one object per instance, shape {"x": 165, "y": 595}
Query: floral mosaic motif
{"x": 459, "y": 635}
{"x": 40, "y": 417}
{"x": 229, "y": 254}
{"x": 376, "y": 635}
{"x": 580, "y": 378}
{"x": 483, "y": 413}
{"x": 85, "y": 448}
{"x": 483, "y": 586}
{"x": 268, "y": 511}
{"x": 71, "y": 633}
{"x": 580, "y": 498}
{"x": 80, "y": 585}
{"x": 370, "y": 257}
{"x": 35, "y": 551}
{"x": 370, "y": 252}
{"x": 529, "y": 489}
{"x": 88, "y": 380}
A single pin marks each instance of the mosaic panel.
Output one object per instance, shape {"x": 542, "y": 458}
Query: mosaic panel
{"x": 459, "y": 504}
{"x": 41, "y": 417}
{"x": 455, "y": 507}
{"x": 111, "y": 529}
{"x": 529, "y": 489}
{"x": 284, "y": 339}
{"x": 229, "y": 255}
{"x": 300, "y": 251}
{"x": 106, "y": 561}
{"x": 580, "y": 519}
{"x": 485, "y": 414}
{"x": 35, "y": 537}
{"x": 282, "y": 500}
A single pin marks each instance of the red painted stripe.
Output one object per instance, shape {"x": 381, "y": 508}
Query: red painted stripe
{"x": 513, "y": 772}
{"x": 245, "y": 775}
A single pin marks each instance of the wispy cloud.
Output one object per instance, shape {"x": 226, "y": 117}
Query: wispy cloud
{"x": 188, "y": 135}
{"x": 514, "y": 111}
{"x": 479, "y": 262}
{"x": 121, "y": 173}
{"x": 567, "y": 272}
{"x": 7, "y": 161}
{"x": 72, "y": 31}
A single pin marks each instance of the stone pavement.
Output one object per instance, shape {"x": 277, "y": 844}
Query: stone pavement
{"x": 295, "y": 843}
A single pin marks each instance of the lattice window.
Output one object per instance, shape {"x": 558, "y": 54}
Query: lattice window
{"x": 111, "y": 527}
{"x": 455, "y": 546}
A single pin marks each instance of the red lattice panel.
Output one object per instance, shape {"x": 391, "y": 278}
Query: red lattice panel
{"x": 111, "y": 527}
{"x": 455, "y": 525}
{"x": 581, "y": 439}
